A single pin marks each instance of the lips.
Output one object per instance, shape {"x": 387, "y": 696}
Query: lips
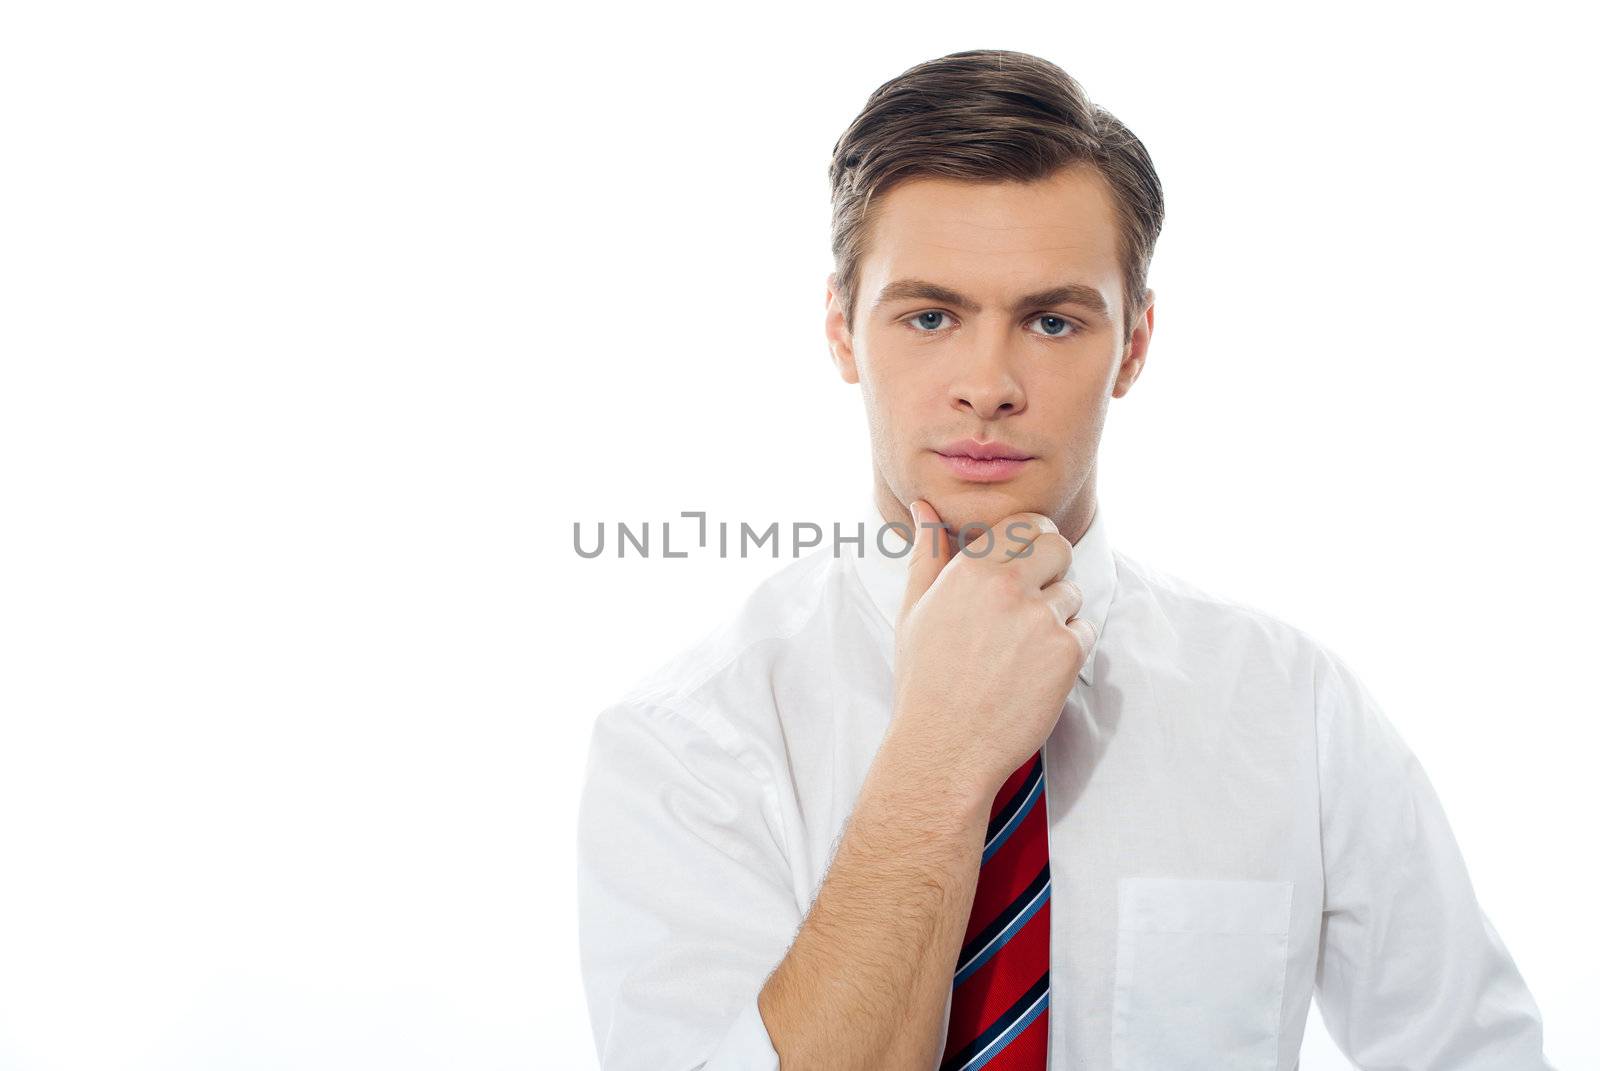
{"x": 979, "y": 462}
{"x": 988, "y": 451}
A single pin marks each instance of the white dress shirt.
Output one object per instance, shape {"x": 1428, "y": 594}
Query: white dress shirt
{"x": 1234, "y": 827}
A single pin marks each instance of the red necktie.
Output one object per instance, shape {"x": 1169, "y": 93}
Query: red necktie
{"x": 1000, "y": 1003}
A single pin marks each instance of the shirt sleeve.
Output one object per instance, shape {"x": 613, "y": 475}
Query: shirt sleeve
{"x": 685, "y": 903}
{"x": 1411, "y": 975}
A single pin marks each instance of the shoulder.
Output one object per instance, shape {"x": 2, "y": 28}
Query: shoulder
{"x": 1209, "y": 625}
{"x": 1205, "y": 617}
{"x": 723, "y": 680}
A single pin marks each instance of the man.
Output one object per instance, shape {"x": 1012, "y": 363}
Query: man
{"x": 1012, "y": 799}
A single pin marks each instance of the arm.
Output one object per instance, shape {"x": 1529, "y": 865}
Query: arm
{"x": 848, "y": 995}
{"x": 986, "y": 649}
{"x": 684, "y": 896}
{"x": 685, "y": 906}
{"x": 685, "y": 892}
{"x": 1411, "y": 974}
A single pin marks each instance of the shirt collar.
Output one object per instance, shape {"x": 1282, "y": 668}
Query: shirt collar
{"x": 883, "y": 574}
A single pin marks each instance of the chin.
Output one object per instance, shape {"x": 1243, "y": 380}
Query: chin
{"x": 982, "y": 503}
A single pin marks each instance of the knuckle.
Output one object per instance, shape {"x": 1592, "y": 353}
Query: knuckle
{"x": 1008, "y": 585}
{"x": 1026, "y": 525}
{"x": 1015, "y": 535}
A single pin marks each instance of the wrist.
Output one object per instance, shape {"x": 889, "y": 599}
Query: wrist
{"x": 935, "y": 776}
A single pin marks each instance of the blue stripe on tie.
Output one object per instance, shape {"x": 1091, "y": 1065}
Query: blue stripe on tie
{"x": 998, "y": 941}
{"x": 1002, "y": 816}
{"x": 1003, "y": 1030}
{"x": 1003, "y": 919}
{"x": 1016, "y": 819}
{"x": 1011, "y": 1034}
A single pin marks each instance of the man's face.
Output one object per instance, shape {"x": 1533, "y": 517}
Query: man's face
{"x": 958, "y": 339}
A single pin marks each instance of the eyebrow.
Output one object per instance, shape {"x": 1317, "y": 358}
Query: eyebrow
{"x": 922, "y": 290}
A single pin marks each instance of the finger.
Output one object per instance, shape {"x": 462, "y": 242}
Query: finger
{"x": 1048, "y": 562}
{"x": 1065, "y": 597}
{"x": 930, "y": 552}
{"x": 1014, "y": 536}
{"x": 1087, "y": 637}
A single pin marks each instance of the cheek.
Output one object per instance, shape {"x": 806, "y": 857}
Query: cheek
{"x": 905, "y": 388}
{"x": 894, "y": 391}
{"x": 1075, "y": 406}
{"x": 881, "y": 408}
{"x": 1080, "y": 397}
{"x": 1083, "y": 426}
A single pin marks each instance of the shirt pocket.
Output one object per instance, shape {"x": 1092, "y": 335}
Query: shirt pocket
{"x": 1200, "y": 973}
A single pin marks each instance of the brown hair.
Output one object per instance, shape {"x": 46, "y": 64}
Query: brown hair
{"x": 989, "y": 115}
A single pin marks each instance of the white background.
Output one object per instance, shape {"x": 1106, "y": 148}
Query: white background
{"x": 324, "y": 322}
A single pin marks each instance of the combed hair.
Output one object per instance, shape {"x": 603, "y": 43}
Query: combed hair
{"x": 989, "y": 115}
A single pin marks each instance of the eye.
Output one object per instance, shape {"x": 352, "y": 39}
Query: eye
{"x": 920, "y": 321}
{"x": 1055, "y": 326}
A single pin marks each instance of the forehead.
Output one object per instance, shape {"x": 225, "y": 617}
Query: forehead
{"x": 991, "y": 238}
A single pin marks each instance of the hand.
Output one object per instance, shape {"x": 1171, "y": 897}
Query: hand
{"x": 987, "y": 646}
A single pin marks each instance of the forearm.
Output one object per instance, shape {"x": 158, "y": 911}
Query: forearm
{"x": 865, "y": 981}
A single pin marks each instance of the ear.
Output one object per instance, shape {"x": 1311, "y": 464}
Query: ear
{"x": 840, "y": 342}
{"x": 1133, "y": 351}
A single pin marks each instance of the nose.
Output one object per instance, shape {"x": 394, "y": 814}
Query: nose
{"x": 985, "y": 386}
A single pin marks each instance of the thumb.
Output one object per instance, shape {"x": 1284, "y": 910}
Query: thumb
{"x": 930, "y": 552}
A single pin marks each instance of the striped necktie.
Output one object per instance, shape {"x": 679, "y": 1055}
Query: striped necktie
{"x": 1000, "y": 1001}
